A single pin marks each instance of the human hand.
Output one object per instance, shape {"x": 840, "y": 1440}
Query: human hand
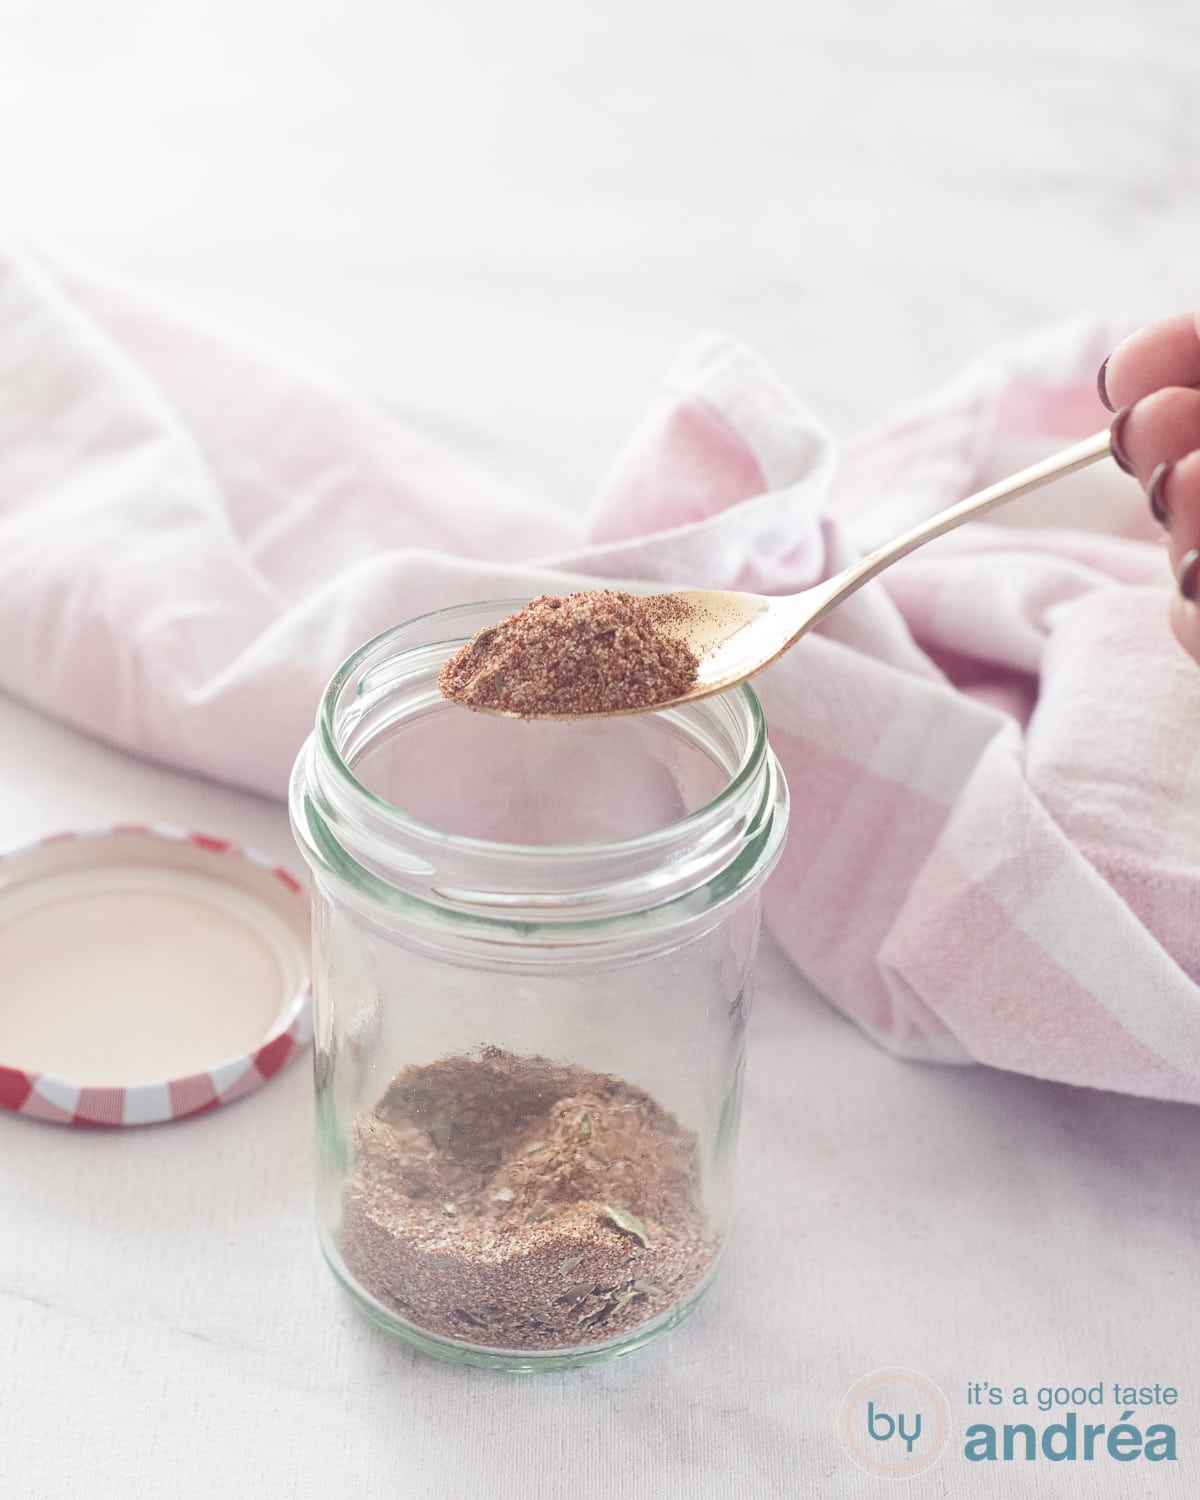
{"x": 1152, "y": 381}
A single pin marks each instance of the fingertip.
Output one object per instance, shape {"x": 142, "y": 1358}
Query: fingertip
{"x": 1161, "y": 428}
{"x": 1165, "y": 353}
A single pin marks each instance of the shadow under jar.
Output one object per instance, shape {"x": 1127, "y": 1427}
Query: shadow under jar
{"x": 533, "y": 957}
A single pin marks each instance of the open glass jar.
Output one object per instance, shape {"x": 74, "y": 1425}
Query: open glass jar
{"x": 533, "y": 956}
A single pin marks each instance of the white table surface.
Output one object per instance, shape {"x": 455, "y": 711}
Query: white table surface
{"x": 505, "y": 219}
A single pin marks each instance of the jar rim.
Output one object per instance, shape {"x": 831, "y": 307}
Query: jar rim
{"x": 739, "y": 780}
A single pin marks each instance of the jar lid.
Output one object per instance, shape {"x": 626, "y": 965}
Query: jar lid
{"x": 146, "y": 974}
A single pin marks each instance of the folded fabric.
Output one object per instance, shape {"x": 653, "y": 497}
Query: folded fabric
{"x": 992, "y": 753}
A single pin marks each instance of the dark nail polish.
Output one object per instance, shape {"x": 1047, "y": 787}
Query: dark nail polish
{"x": 1156, "y": 494}
{"x": 1185, "y": 574}
{"x": 1114, "y": 437}
{"x": 1102, "y": 386}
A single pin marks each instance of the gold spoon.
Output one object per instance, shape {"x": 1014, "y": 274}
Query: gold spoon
{"x": 736, "y": 635}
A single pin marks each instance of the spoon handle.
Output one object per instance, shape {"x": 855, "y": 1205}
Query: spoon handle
{"x": 847, "y": 582}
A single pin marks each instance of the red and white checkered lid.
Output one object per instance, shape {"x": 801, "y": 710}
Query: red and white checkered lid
{"x": 45, "y": 888}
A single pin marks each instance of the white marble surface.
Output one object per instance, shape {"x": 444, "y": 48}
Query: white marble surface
{"x": 505, "y": 219}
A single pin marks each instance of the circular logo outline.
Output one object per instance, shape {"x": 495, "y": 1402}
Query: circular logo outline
{"x": 852, "y": 1401}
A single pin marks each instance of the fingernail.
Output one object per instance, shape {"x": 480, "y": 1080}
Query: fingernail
{"x": 1156, "y": 494}
{"x": 1185, "y": 574}
{"x": 1114, "y": 438}
{"x": 1102, "y": 386}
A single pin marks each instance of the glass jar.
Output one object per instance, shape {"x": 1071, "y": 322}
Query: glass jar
{"x": 533, "y": 956}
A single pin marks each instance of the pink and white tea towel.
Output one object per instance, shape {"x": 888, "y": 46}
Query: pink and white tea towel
{"x": 992, "y": 753}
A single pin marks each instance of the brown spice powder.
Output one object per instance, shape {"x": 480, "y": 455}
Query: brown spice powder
{"x": 598, "y": 651}
{"x": 517, "y": 1203}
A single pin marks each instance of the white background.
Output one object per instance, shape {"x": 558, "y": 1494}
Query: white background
{"x": 504, "y": 218}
